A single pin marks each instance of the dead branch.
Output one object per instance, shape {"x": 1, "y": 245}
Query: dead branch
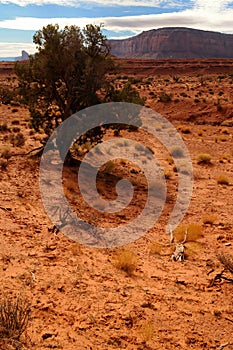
{"x": 226, "y": 261}
{"x": 27, "y": 153}
{"x": 219, "y": 277}
{"x": 5, "y": 209}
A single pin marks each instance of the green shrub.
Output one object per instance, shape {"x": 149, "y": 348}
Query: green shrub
{"x": 6, "y": 95}
{"x": 3, "y": 164}
{"x": 4, "y": 127}
{"x": 17, "y": 140}
{"x": 163, "y": 97}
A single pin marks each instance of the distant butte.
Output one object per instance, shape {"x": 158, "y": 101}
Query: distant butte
{"x": 175, "y": 43}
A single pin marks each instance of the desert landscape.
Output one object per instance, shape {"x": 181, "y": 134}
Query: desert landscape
{"x": 133, "y": 297}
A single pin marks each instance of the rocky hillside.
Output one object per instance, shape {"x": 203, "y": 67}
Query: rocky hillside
{"x": 175, "y": 43}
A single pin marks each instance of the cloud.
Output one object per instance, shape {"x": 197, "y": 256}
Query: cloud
{"x": 75, "y": 3}
{"x": 203, "y": 14}
{"x": 15, "y": 49}
{"x": 212, "y": 6}
{"x": 194, "y": 18}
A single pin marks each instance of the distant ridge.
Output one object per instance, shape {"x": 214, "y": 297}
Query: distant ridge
{"x": 24, "y": 56}
{"x": 174, "y": 42}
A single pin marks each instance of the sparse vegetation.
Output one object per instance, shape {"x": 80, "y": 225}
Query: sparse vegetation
{"x": 127, "y": 261}
{"x": 17, "y": 140}
{"x": 68, "y": 74}
{"x": 4, "y": 127}
{"x": 155, "y": 248}
{"x": 14, "y": 317}
{"x": 159, "y": 189}
{"x": 226, "y": 261}
{"x": 185, "y": 129}
{"x": 147, "y": 331}
{"x": 222, "y": 138}
{"x": 5, "y": 152}
{"x": 75, "y": 248}
{"x": 223, "y": 179}
{"x": 194, "y": 232}
{"x": 204, "y": 158}
{"x": 209, "y": 219}
{"x": 163, "y": 97}
{"x": 65, "y": 279}
{"x": 225, "y": 131}
{"x": 183, "y": 94}
{"x": 3, "y": 164}
{"x": 6, "y": 95}
{"x": 183, "y": 167}
{"x": 109, "y": 166}
{"x": 177, "y": 152}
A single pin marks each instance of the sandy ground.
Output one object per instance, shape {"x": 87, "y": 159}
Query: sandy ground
{"x": 80, "y": 298}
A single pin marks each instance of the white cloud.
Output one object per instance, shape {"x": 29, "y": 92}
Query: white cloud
{"x": 207, "y": 5}
{"x": 212, "y": 6}
{"x": 205, "y": 14}
{"x": 75, "y": 3}
{"x": 195, "y": 18}
{"x": 15, "y": 49}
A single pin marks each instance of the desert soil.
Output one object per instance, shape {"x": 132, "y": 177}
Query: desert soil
{"x": 80, "y": 298}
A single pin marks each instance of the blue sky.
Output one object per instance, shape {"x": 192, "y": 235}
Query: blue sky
{"x": 20, "y": 19}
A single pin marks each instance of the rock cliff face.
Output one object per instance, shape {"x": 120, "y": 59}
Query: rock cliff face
{"x": 24, "y": 56}
{"x": 174, "y": 43}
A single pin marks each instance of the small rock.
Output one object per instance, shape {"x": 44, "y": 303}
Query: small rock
{"x": 46, "y": 336}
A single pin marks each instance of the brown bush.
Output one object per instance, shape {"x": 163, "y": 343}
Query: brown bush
{"x": 14, "y": 317}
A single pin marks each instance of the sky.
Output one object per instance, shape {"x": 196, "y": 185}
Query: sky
{"x": 20, "y": 19}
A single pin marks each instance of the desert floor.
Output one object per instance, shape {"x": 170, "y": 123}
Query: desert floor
{"x": 81, "y": 297}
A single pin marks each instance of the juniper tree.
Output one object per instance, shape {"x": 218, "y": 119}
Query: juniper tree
{"x": 67, "y": 74}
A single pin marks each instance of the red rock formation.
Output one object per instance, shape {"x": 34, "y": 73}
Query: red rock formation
{"x": 174, "y": 43}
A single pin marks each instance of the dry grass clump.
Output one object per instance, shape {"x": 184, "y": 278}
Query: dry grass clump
{"x": 17, "y": 140}
{"x": 4, "y": 127}
{"x": 194, "y": 232}
{"x": 222, "y": 138}
{"x": 204, "y": 158}
{"x": 3, "y": 164}
{"x": 183, "y": 168}
{"x": 192, "y": 248}
{"x": 127, "y": 261}
{"x": 109, "y": 166}
{"x": 185, "y": 129}
{"x": 209, "y": 219}
{"x": 155, "y": 248}
{"x": 147, "y": 331}
{"x": 14, "y": 317}
{"x": 159, "y": 189}
{"x": 167, "y": 174}
{"x": 223, "y": 180}
{"x": 75, "y": 249}
{"x": 163, "y": 97}
{"x": 5, "y": 152}
{"x": 177, "y": 152}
